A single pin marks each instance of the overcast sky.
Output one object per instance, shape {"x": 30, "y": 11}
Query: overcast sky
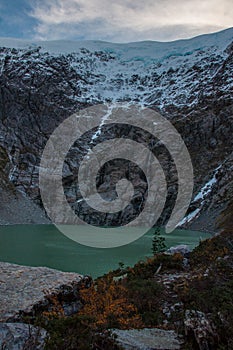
{"x": 117, "y": 21}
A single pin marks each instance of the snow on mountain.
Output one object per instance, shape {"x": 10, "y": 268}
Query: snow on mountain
{"x": 189, "y": 81}
{"x": 150, "y": 73}
{"x": 144, "y": 72}
{"x": 200, "y": 197}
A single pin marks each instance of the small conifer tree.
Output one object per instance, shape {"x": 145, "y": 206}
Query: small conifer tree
{"x": 158, "y": 242}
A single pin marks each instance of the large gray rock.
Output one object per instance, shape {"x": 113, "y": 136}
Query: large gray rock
{"x": 181, "y": 248}
{"x": 19, "y": 336}
{"x": 148, "y": 339}
{"x": 29, "y": 290}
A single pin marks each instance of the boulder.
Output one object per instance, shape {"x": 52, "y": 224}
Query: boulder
{"x": 147, "y": 339}
{"x": 18, "y": 336}
{"x": 27, "y": 291}
{"x": 182, "y": 249}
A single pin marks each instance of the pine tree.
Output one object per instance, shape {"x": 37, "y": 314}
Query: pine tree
{"x": 158, "y": 242}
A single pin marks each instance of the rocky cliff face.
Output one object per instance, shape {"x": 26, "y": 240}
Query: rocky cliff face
{"x": 190, "y": 82}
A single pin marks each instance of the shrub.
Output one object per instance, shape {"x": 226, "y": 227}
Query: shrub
{"x": 146, "y": 296}
{"x": 75, "y": 333}
{"x": 107, "y": 303}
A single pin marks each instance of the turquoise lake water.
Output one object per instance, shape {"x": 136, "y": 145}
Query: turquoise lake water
{"x": 44, "y": 245}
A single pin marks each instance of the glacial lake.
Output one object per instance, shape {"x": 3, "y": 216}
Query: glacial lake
{"x": 45, "y": 245}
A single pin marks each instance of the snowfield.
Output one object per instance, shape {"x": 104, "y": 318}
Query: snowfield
{"x": 143, "y": 72}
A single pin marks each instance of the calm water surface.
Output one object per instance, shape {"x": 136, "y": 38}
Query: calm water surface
{"x": 44, "y": 245}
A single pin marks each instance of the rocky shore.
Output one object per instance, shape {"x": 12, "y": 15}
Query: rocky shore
{"x": 26, "y": 292}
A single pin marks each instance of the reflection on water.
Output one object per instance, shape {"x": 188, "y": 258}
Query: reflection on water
{"x": 44, "y": 245}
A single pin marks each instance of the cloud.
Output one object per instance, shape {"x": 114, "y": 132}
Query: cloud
{"x": 14, "y": 21}
{"x": 129, "y": 20}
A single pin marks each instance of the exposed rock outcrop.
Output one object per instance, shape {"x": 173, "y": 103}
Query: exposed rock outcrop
{"x": 28, "y": 291}
{"x": 19, "y": 336}
{"x": 182, "y": 249}
{"x": 148, "y": 339}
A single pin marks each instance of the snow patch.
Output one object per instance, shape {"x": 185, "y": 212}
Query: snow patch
{"x": 202, "y": 194}
{"x": 206, "y": 189}
{"x": 189, "y": 217}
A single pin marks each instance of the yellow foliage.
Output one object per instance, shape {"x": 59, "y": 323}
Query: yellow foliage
{"x": 106, "y": 301}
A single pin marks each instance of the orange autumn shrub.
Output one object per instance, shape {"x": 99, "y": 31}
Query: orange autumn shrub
{"x": 106, "y": 303}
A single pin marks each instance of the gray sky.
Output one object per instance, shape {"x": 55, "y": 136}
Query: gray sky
{"x": 118, "y": 21}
